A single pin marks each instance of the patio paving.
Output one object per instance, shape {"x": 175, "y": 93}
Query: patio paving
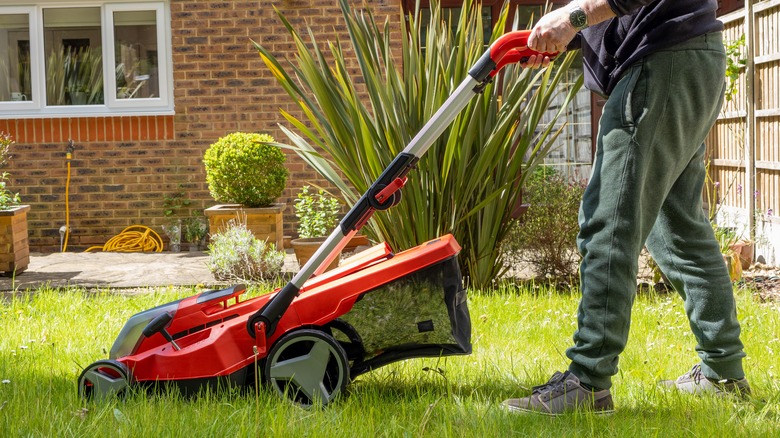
{"x": 117, "y": 270}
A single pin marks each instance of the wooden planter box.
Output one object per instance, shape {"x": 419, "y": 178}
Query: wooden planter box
{"x": 14, "y": 245}
{"x": 264, "y": 222}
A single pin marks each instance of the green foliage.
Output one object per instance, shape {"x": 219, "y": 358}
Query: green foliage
{"x": 173, "y": 203}
{"x": 8, "y": 199}
{"x": 243, "y": 168}
{"x": 735, "y": 62}
{"x": 317, "y": 213}
{"x": 726, "y": 237}
{"x": 545, "y": 238}
{"x": 235, "y": 254}
{"x": 470, "y": 178}
{"x": 195, "y": 227}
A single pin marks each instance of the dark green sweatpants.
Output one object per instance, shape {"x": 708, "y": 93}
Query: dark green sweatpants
{"x": 646, "y": 189}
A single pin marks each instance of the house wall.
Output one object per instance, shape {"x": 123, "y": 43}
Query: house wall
{"x": 124, "y": 167}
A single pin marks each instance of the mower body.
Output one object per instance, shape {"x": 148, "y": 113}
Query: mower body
{"x": 210, "y": 329}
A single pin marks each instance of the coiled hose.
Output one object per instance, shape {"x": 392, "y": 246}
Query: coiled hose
{"x": 135, "y": 238}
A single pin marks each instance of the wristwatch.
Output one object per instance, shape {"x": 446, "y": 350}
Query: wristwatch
{"x": 577, "y": 17}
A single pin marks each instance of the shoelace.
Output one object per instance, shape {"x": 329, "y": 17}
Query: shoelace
{"x": 697, "y": 376}
{"x": 556, "y": 384}
{"x": 694, "y": 374}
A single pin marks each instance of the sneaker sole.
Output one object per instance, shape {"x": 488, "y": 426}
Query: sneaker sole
{"x": 519, "y": 410}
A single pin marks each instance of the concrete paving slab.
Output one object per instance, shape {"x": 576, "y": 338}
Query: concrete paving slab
{"x": 117, "y": 270}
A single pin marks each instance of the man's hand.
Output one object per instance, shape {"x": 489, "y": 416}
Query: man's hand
{"x": 553, "y": 32}
{"x": 536, "y": 61}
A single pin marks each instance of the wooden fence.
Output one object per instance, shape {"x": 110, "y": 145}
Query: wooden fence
{"x": 744, "y": 145}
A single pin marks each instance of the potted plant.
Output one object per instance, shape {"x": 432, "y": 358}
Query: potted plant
{"x": 14, "y": 244}
{"x": 195, "y": 230}
{"x": 317, "y": 216}
{"x": 727, "y": 240}
{"x": 246, "y": 174}
{"x": 172, "y": 206}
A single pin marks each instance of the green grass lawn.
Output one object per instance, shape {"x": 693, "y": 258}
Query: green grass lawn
{"x": 519, "y": 339}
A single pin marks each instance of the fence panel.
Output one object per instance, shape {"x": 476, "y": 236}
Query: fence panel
{"x": 743, "y": 147}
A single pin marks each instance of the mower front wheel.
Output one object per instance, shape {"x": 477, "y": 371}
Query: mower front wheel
{"x": 308, "y": 366}
{"x": 104, "y": 378}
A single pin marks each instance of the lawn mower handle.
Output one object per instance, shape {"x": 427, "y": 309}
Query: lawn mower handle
{"x": 385, "y": 191}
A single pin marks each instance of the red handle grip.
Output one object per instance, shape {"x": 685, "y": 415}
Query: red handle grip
{"x": 511, "y": 48}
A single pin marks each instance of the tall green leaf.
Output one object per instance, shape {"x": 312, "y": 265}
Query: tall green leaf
{"x": 469, "y": 181}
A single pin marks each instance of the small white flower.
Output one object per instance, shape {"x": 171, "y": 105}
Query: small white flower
{"x": 6, "y": 381}
{"x": 23, "y": 347}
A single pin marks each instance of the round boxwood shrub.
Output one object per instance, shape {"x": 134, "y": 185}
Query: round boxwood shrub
{"x": 242, "y": 169}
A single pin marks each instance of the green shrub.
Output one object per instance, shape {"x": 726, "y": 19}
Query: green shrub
{"x": 243, "y": 168}
{"x": 317, "y": 213}
{"x": 8, "y": 199}
{"x": 544, "y": 240}
{"x": 235, "y": 254}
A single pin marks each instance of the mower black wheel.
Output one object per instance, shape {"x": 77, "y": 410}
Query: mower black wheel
{"x": 307, "y": 366}
{"x": 103, "y": 379}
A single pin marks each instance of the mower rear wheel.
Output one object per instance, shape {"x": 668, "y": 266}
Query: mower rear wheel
{"x": 104, "y": 378}
{"x": 307, "y": 366}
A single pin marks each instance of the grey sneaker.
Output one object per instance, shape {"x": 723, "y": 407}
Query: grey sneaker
{"x": 695, "y": 382}
{"x": 563, "y": 393}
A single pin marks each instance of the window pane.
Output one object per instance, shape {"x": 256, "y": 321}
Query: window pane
{"x": 529, "y": 14}
{"x": 15, "y": 58}
{"x": 135, "y": 34}
{"x": 74, "y": 59}
{"x": 452, "y": 15}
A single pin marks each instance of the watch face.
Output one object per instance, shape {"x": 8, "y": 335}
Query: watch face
{"x": 578, "y": 19}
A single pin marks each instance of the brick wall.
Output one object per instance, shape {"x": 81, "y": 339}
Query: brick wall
{"x": 124, "y": 167}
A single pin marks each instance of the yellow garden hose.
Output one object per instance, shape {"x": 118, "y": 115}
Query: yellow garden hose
{"x": 68, "y": 157}
{"x": 135, "y": 238}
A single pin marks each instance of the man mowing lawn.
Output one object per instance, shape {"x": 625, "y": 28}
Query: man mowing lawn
{"x": 662, "y": 65}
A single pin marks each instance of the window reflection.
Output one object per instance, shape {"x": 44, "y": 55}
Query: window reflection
{"x": 74, "y": 58}
{"x": 15, "y": 82}
{"x": 136, "y": 63}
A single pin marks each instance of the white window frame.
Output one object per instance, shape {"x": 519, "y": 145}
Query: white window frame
{"x": 36, "y": 32}
{"x": 109, "y": 56}
{"x": 36, "y": 107}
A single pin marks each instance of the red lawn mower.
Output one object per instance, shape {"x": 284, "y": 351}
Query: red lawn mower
{"x": 309, "y": 338}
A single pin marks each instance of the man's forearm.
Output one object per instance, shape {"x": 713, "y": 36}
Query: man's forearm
{"x": 596, "y": 10}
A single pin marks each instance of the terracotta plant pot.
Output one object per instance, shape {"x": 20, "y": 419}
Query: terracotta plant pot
{"x": 744, "y": 250}
{"x": 306, "y": 247}
{"x": 357, "y": 241}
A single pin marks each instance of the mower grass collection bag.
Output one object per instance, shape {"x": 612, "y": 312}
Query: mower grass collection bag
{"x": 421, "y": 314}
